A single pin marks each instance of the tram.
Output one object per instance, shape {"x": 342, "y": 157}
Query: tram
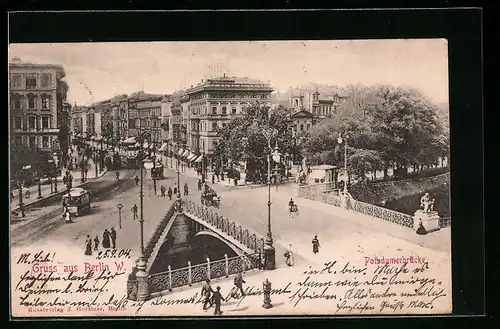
{"x": 77, "y": 201}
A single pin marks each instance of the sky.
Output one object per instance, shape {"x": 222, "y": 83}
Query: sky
{"x": 98, "y": 71}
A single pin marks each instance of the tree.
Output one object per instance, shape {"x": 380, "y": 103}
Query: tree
{"x": 384, "y": 126}
{"x": 243, "y": 138}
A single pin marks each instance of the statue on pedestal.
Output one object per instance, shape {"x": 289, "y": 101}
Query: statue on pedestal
{"x": 425, "y": 201}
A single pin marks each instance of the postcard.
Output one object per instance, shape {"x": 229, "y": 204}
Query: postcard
{"x": 229, "y": 179}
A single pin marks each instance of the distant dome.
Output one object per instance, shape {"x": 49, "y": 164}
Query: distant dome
{"x": 15, "y": 60}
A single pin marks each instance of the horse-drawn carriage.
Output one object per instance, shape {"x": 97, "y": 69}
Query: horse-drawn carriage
{"x": 210, "y": 198}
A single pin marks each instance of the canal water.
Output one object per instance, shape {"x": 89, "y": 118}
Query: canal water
{"x": 196, "y": 252}
{"x": 410, "y": 204}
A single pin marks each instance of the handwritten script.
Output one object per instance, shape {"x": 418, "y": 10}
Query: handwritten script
{"x": 98, "y": 286}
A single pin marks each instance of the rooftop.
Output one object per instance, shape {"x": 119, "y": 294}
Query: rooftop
{"x": 16, "y": 62}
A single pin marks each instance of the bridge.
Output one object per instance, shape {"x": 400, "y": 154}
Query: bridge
{"x": 184, "y": 225}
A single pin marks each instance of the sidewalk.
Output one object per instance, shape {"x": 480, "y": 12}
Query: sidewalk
{"x": 46, "y": 188}
{"x": 439, "y": 240}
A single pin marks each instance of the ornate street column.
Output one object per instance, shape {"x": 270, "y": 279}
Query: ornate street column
{"x": 142, "y": 280}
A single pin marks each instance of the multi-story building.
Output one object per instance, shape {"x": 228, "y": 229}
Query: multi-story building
{"x": 78, "y": 119}
{"x": 38, "y": 107}
{"x": 119, "y": 113}
{"x": 212, "y": 103}
{"x": 311, "y": 103}
{"x": 144, "y": 114}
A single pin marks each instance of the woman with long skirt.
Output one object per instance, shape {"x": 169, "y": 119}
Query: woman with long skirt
{"x": 88, "y": 246}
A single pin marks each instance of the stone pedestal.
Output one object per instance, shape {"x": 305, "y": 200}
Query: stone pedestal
{"x": 429, "y": 220}
{"x": 142, "y": 281}
{"x": 270, "y": 257}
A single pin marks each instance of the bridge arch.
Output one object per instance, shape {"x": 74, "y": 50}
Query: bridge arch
{"x": 210, "y": 234}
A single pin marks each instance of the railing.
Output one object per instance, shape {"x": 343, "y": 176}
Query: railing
{"x": 380, "y": 212}
{"x": 444, "y": 222}
{"x": 148, "y": 250}
{"x": 170, "y": 279}
{"x": 243, "y": 236}
{"x": 326, "y": 193}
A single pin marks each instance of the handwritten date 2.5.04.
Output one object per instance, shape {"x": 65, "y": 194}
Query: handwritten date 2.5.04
{"x": 114, "y": 253}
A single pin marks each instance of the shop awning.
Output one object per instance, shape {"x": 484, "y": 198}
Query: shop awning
{"x": 185, "y": 154}
{"x": 180, "y": 152}
{"x": 130, "y": 140}
{"x": 198, "y": 159}
{"x": 191, "y": 157}
{"x": 163, "y": 147}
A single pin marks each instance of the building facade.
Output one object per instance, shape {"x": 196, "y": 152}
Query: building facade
{"x": 38, "y": 107}
{"x": 321, "y": 101}
{"x": 212, "y": 103}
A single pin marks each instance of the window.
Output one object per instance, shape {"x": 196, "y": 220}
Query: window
{"x": 17, "y": 122}
{"x": 308, "y": 126}
{"x": 223, "y": 125}
{"x": 31, "y": 122}
{"x": 214, "y": 126}
{"x": 18, "y": 140}
{"x": 214, "y": 144}
{"x": 45, "y": 80}
{"x": 31, "y": 102}
{"x": 45, "y": 141}
{"x": 131, "y": 123}
{"x": 233, "y": 111}
{"x": 16, "y": 81}
{"x": 45, "y": 122}
{"x": 45, "y": 102}
{"x": 17, "y": 103}
{"x": 30, "y": 82}
{"x": 31, "y": 141}
{"x": 301, "y": 127}
{"x": 214, "y": 110}
{"x": 224, "y": 110}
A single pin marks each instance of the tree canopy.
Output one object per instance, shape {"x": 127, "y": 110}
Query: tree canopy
{"x": 383, "y": 126}
{"x": 244, "y": 137}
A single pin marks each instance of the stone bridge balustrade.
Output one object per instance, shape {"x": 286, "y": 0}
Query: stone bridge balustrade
{"x": 141, "y": 284}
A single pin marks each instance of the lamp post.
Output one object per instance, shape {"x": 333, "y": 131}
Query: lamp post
{"x": 153, "y": 174}
{"x": 20, "y": 183}
{"x": 270, "y": 252}
{"x": 341, "y": 140}
{"x": 39, "y": 179}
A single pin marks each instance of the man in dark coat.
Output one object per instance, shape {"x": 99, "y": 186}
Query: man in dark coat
{"x": 134, "y": 210}
{"x": 163, "y": 190}
{"x": 186, "y": 189}
{"x": 238, "y": 283}
{"x": 199, "y": 184}
{"x": 217, "y": 298}
{"x": 207, "y": 291}
{"x": 315, "y": 243}
{"x": 136, "y": 180}
{"x": 113, "y": 238}
{"x": 169, "y": 193}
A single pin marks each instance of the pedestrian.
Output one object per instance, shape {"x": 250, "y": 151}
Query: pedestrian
{"x": 207, "y": 291}
{"x": 117, "y": 175}
{"x": 105, "y": 239}
{"x": 217, "y": 175}
{"x": 315, "y": 243}
{"x": 162, "y": 189}
{"x": 175, "y": 190}
{"x": 67, "y": 216}
{"x": 213, "y": 179}
{"x": 289, "y": 256}
{"x": 199, "y": 184}
{"x": 217, "y": 298}
{"x": 113, "y": 237}
{"x": 136, "y": 180}
{"x": 96, "y": 242}
{"x": 88, "y": 246}
{"x": 169, "y": 193}
{"x": 86, "y": 171}
{"x": 238, "y": 283}
{"x": 134, "y": 211}
{"x": 186, "y": 189}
